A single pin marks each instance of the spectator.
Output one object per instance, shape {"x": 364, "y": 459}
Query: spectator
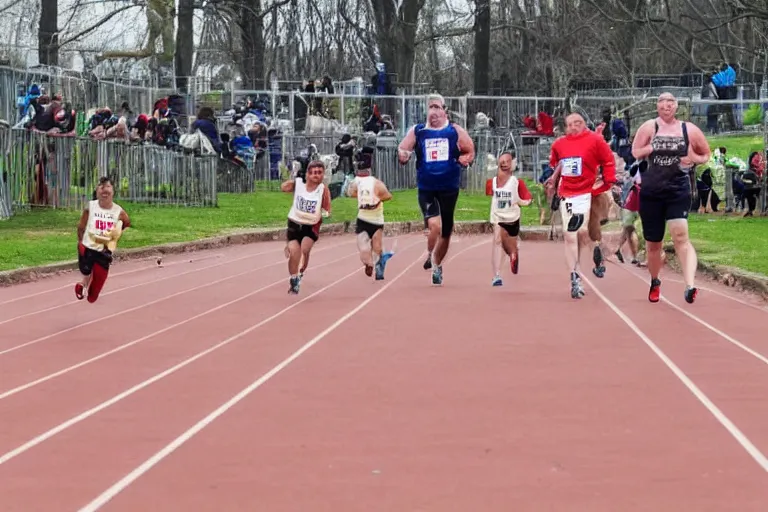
{"x": 206, "y": 123}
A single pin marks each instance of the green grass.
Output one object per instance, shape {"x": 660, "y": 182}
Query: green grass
{"x": 731, "y": 240}
{"x": 738, "y": 145}
{"x": 45, "y": 236}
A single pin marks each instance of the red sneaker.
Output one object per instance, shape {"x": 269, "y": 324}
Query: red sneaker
{"x": 79, "y": 291}
{"x": 654, "y": 294}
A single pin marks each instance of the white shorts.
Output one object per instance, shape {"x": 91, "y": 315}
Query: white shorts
{"x": 570, "y": 206}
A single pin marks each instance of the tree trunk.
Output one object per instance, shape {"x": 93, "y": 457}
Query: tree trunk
{"x": 185, "y": 45}
{"x": 482, "y": 45}
{"x": 48, "y": 33}
{"x": 252, "y": 43}
{"x": 396, "y": 35}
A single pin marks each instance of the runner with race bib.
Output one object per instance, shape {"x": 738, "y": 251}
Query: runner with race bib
{"x": 578, "y": 156}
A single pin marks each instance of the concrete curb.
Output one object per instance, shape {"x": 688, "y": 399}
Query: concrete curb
{"x": 25, "y": 275}
{"x": 733, "y": 277}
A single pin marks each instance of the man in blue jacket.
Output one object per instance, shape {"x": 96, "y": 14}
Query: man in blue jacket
{"x": 443, "y": 149}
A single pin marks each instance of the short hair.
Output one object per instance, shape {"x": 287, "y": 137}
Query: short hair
{"x": 316, "y": 163}
{"x": 104, "y": 180}
{"x": 509, "y": 152}
{"x": 436, "y": 97}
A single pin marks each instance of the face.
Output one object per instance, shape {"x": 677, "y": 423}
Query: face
{"x": 105, "y": 191}
{"x": 436, "y": 113}
{"x": 507, "y": 163}
{"x": 666, "y": 105}
{"x": 315, "y": 174}
{"x": 574, "y": 124}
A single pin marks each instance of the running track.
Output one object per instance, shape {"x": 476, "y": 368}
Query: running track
{"x": 204, "y": 386}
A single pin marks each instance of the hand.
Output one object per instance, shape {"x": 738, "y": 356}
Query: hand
{"x": 325, "y": 213}
{"x": 465, "y": 159}
{"x": 686, "y": 162}
{"x": 598, "y": 184}
{"x": 403, "y": 156}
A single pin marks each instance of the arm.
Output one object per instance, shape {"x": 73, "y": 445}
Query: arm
{"x": 352, "y": 189}
{"x": 382, "y": 191}
{"x": 641, "y": 146}
{"x": 326, "y": 206}
{"x": 125, "y": 220}
{"x": 466, "y": 146}
{"x": 607, "y": 161}
{"x": 698, "y": 149}
{"x": 288, "y": 185}
{"x": 523, "y": 193}
{"x": 82, "y": 225}
{"x": 406, "y": 146}
{"x": 489, "y": 187}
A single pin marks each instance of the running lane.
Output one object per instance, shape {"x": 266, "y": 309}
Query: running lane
{"x": 87, "y": 453}
{"x": 732, "y": 373}
{"x": 460, "y": 398}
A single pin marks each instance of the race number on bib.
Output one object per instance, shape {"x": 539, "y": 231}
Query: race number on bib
{"x": 571, "y": 166}
{"x": 437, "y": 150}
{"x": 306, "y": 205}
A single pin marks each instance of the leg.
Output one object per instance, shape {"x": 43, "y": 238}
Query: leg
{"x": 99, "y": 277}
{"x": 447, "y": 201}
{"x": 497, "y": 251}
{"x": 380, "y": 258}
{"x": 366, "y": 256}
{"x": 686, "y": 254}
{"x": 85, "y": 264}
{"x": 430, "y": 210}
{"x": 293, "y": 248}
{"x": 597, "y": 217}
{"x": 509, "y": 234}
{"x": 574, "y": 212}
{"x": 306, "y": 247}
{"x": 653, "y": 213}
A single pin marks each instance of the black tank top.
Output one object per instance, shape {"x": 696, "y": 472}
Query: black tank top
{"x": 665, "y": 176}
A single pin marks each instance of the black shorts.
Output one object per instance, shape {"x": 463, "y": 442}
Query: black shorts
{"x": 512, "y": 228}
{"x": 441, "y": 203}
{"x": 655, "y": 211}
{"x": 298, "y": 231}
{"x": 367, "y": 227}
{"x": 87, "y": 258}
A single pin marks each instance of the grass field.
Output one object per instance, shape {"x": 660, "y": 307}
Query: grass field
{"x": 47, "y": 236}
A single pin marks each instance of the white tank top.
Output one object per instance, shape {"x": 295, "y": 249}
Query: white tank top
{"x": 366, "y": 198}
{"x": 100, "y": 221}
{"x": 504, "y": 207}
{"x": 306, "y": 208}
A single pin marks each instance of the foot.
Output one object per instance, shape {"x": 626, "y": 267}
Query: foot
{"x": 577, "y": 290}
{"x": 437, "y": 275}
{"x": 690, "y": 294}
{"x": 636, "y": 262}
{"x": 382, "y": 264}
{"x": 428, "y": 262}
{"x": 294, "y": 285}
{"x": 369, "y": 270}
{"x": 496, "y": 281}
{"x": 79, "y": 291}
{"x": 619, "y": 256}
{"x": 654, "y": 294}
{"x": 515, "y": 262}
{"x": 597, "y": 257}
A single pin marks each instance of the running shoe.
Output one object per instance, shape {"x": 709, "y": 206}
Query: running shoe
{"x": 79, "y": 291}
{"x": 577, "y": 290}
{"x": 619, "y": 256}
{"x": 597, "y": 257}
{"x": 437, "y": 274}
{"x": 515, "y": 263}
{"x": 428, "y": 262}
{"x": 654, "y": 294}
{"x": 690, "y": 294}
{"x": 294, "y": 285}
{"x": 382, "y": 264}
{"x": 497, "y": 281}
{"x": 369, "y": 270}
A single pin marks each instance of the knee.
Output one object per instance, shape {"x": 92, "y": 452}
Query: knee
{"x": 653, "y": 247}
{"x": 679, "y": 236}
{"x": 434, "y": 225}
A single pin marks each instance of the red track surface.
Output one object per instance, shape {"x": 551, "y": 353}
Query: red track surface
{"x": 391, "y": 396}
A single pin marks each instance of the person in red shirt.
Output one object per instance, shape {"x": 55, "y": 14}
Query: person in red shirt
{"x": 509, "y": 193}
{"x": 578, "y": 156}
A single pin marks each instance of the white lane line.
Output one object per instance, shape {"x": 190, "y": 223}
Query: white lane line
{"x": 115, "y": 350}
{"x": 161, "y": 299}
{"x": 712, "y": 328}
{"x": 118, "y": 274}
{"x": 151, "y": 281}
{"x": 118, "y": 487}
{"x": 138, "y": 387}
{"x": 737, "y": 434}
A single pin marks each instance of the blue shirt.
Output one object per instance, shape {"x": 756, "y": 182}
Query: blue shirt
{"x": 437, "y": 158}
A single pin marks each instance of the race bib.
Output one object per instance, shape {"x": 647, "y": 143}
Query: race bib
{"x": 436, "y": 150}
{"x": 306, "y": 206}
{"x": 571, "y": 166}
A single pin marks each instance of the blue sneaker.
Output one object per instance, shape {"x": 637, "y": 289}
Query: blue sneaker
{"x": 382, "y": 264}
{"x": 437, "y": 274}
{"x": 294, "y": 285}
{"x": 496, "y": 281}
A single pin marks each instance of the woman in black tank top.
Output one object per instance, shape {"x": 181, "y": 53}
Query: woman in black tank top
{"x": 672, "y": 149}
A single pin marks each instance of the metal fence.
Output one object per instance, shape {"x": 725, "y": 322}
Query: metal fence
{"x": 40, "y": 170}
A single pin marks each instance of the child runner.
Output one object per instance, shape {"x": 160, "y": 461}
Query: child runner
{"x": 370, "y": 193}
{"x": 101, "y": 225}
{"x": 509, "y": 194}
{"x": 311, "y": 202}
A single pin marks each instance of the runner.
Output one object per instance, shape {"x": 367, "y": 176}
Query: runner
{"x": 629, "y": 211}
{"x": 370, "y": 193}
{"x": 442, "y": 150}
{"x": 101, "y": 225}
{"x": 509, "y": 194}
{"x": 672, "y": 148}
{"x": 579, "y": 153}
{"x": 311, "y": 202}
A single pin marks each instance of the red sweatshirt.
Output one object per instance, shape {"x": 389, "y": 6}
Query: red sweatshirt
{"x": 582, "y": 155}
